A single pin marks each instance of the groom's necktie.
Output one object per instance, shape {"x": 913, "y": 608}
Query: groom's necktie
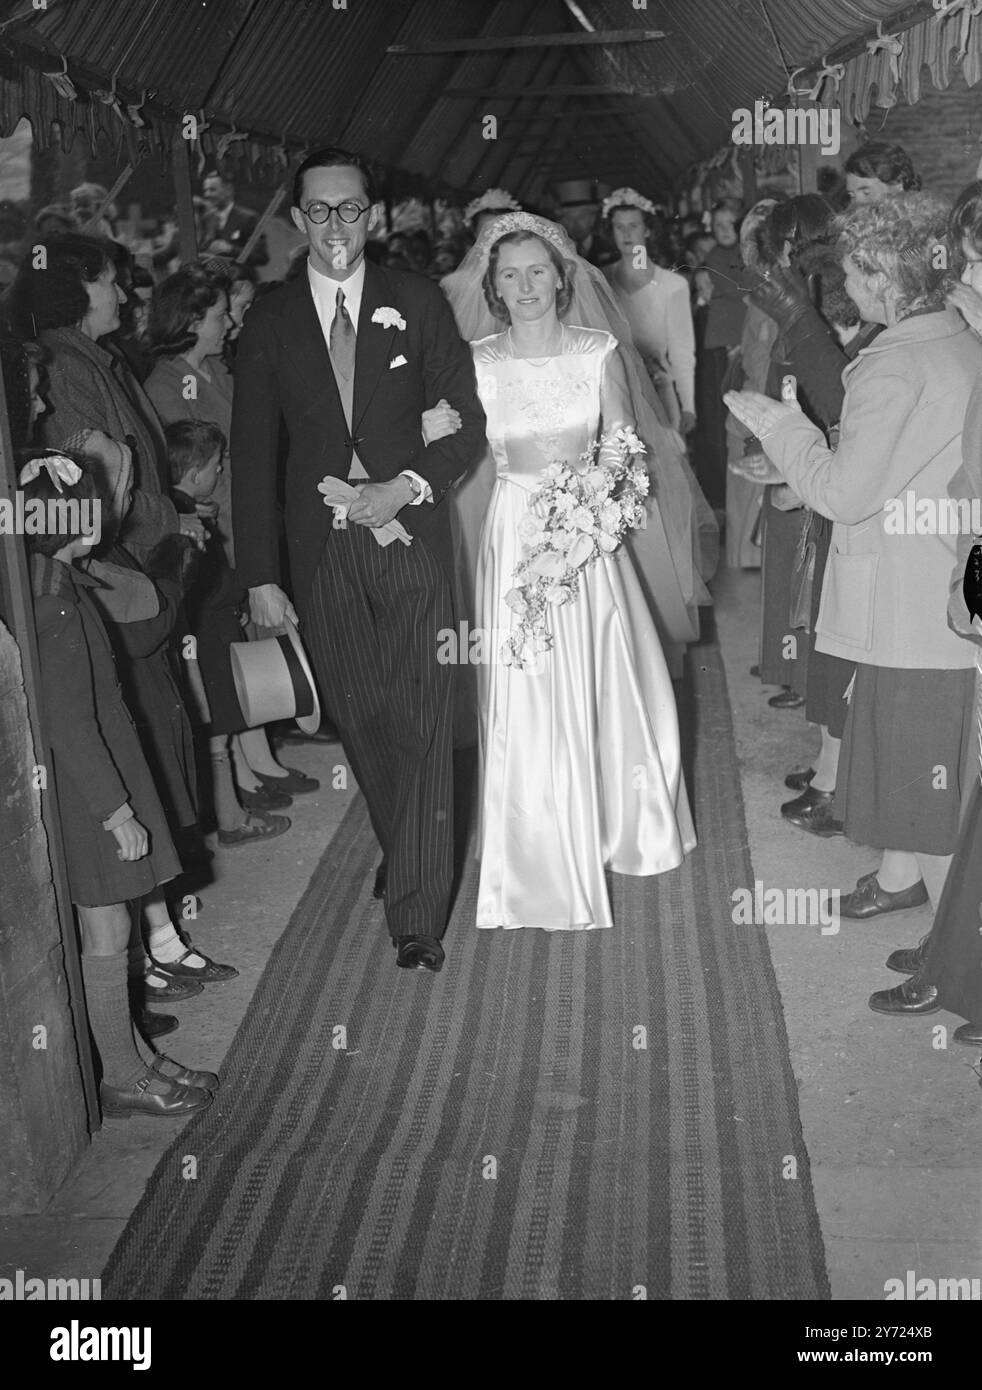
{"x": 343, "y": 341}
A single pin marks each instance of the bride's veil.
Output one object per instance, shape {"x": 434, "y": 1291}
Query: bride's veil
{"x": 679, "y": 518}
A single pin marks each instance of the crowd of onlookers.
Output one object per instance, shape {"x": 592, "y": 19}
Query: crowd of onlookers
{"x": 852, "y": 363}
{"x": 119, "y": 379}
{"x": 822, "y": 354}
{"x": 120, "y": 392}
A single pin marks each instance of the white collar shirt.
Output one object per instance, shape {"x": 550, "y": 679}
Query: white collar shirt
{"x": 325, "y": 292}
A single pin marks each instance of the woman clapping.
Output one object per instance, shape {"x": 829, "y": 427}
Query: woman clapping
{"x": 885, "y": 590}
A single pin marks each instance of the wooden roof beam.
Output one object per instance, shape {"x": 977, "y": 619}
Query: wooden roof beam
{"x": 532, "y": 93}
{"x": 565, "y": 40}
{"x": 563, "y": 115}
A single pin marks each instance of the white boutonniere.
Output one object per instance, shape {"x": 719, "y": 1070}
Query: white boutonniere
{"x": 389, "y": 318}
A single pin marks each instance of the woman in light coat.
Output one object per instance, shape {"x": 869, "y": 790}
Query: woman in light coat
{"x": 885, "y": 592}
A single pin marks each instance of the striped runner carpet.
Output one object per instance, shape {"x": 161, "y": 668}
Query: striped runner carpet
{"x": 593, "y": 1115}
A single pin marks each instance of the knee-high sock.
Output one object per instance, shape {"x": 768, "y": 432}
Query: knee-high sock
{"x": 107, "y": 998}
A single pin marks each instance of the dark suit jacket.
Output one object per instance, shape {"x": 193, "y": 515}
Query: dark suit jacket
{"x": 282, "y": 368}
{"x": 237, "y": 230}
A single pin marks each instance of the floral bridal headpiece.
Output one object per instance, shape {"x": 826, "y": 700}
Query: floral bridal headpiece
{"x": 524, "y": 222}
{"x": 626, "y": 197}
{"x": 493, "y": 200}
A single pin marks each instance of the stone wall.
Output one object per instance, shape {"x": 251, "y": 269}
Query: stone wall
{"x": 42, "y": 1113}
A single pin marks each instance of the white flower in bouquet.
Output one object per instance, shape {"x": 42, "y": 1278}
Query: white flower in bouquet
{"x": 531, "y": 527}
{"x": 549, "y": 565}
{"x": 580, "y": 551}
{"x": 564, "y": 503}
{"x": 628, "y": 440}
{"x": 573, "y": 518}
{"x": 610, "y": 518}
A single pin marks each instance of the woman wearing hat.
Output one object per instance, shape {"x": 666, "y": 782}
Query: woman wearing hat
{"x": 190, "y": 319}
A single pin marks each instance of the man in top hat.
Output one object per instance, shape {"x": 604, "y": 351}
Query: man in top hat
{"x": 349, "y": 354}
{"x": 578, "y": 210}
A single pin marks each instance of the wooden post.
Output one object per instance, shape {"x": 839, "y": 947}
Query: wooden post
{"x": 110, "y": 198}
{"x": 261, "y": 225}
{"x": 187, "y": 226}
{"x": 17, "y": 604}
{"x": 748, "y": 174}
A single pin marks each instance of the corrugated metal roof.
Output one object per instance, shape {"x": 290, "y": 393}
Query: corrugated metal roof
{"x": 314, "y": 73}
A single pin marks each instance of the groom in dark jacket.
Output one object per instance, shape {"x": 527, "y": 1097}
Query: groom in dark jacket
{"x": 350, "y": 355}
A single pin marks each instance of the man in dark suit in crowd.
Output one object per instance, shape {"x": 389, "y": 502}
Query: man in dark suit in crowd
{"x": 225, "y": 226}
{"x": 350, "y": 354}
{"x": 579, "y": 213}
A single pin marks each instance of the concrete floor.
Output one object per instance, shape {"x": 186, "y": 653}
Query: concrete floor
{"x": 892, "y": 1121}
{"x": 892, "y": 1118}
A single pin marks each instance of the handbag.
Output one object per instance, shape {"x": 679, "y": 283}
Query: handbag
{"x": 803, "y": 577}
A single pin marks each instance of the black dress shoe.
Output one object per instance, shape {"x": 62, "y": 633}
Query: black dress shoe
{"x": 868, "y": 899}
{"x": 171, "y": 1101}
{"x": 812, "y": 811}
{"x": 970, "y": 1034}
{"x": 170, "y": 1070}
{"x": 211, "y": 973}
{"x": 153, "y": 1025}
{"x": 170, "y": 991}
{"x": 295, "y": 783}
{"x": 908, "y": 998}
{"x": 419, "y": 953}
{"x": 798, "y": 781}
{"x": 909, "y": 959}
{"x": 786, "y": 699}
{"x": 381, "y": 879}
{"x": 264, "y": 799}
{"x": 291, "y": 734}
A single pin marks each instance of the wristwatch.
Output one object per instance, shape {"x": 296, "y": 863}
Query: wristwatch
{"x": 414, "y": 485}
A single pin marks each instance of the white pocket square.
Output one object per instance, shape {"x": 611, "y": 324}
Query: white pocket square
{"x": 399, "y": 361}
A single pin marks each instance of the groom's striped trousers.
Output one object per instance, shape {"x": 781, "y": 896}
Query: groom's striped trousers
{"x": 371, "y": 626}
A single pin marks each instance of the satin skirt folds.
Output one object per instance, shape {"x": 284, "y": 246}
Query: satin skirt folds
{"x": 580, "y": 757}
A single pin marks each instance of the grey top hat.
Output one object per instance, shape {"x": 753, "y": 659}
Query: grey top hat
{"x": 576, "y": 193}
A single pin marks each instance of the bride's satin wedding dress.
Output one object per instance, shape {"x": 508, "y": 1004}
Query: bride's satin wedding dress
{"x": 579, "y": 752}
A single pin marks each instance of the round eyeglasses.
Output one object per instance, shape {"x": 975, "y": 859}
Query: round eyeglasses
{"x": 320, "y": 212}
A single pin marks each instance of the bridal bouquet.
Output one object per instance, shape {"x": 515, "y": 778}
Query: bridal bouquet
{"x": 574, "y": 517}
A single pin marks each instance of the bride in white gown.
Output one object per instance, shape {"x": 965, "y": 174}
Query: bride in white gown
{"x": 579, "y": 751}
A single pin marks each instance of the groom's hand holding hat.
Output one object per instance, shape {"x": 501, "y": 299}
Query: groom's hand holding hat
{"x": 270, "y": 607}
